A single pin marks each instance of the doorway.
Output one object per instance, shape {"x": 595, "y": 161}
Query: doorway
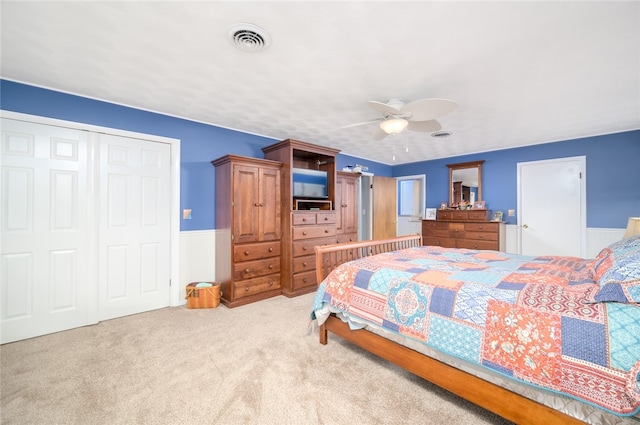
{"x": 365, "y": 203}
{"x": 411, "y": 204}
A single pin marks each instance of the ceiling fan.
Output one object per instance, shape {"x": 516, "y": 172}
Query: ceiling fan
{"x": 419, "y": 115}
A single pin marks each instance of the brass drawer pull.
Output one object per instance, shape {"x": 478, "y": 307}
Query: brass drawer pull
{"x": 271, "y": 249}
{"x": 246, "y": 253}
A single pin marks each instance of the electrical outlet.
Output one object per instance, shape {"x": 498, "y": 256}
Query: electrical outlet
{"x": 511, "y": 213}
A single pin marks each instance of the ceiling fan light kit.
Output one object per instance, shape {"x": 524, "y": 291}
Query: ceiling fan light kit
{"x": 419, "y": 115}
{"x": 394, "y": 125}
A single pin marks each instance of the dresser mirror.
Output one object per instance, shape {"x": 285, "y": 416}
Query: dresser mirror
{"x": 465, "y": 183}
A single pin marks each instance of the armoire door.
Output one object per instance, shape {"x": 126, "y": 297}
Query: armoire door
{"x": 45, "y": 230}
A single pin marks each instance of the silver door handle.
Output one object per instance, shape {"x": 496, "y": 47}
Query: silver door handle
{"x": 524, "y": 226}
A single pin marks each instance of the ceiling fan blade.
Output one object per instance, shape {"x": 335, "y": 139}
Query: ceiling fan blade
{"x": 428, "y": 109}
{"x": 426, "y": 126}
{"x": 388, "y": 108}
{"x": 362, "y": 123}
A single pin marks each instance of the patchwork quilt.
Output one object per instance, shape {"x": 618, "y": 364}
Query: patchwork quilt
{"x": 533, "y": 319}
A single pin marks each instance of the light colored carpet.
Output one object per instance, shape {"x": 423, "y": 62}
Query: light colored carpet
{"x": 255, "y": 364}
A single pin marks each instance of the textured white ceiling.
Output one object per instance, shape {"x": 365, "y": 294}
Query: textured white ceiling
{"x": 522, "y": 72}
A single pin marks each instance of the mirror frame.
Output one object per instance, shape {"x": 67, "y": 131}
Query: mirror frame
{"x": 464, "y": 165}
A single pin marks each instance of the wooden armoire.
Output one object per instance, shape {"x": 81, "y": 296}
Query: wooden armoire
{"x": 306, "y": 224}
{"x": 249, "y": 228}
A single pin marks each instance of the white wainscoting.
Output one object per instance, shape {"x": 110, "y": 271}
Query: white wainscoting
{"x": 597, "y": 238}
{"x": 198, "y": 251}
{"x": 197, "y": 258}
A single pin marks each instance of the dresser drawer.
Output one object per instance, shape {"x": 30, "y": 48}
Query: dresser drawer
{"x": 306, "y": 247}
{"x": 250, "y": 269}
{"x": 304, "y": 280}
{"x": 433, "y": 224}
{"x": 245, "y": 288}
{"x": 479, "y": 215}
{"x": 310, "y": 232}
{"x": 445, "y": 214}
{"x": 304, "y": 264}
{"x": 486, "y": 236}
{"x": 474, "y": 244}
{"x": 256, "y": 251}
{"x": 443, "y": 242}
{"x": 440, "y": 233}
{"x": 482, "y": 227}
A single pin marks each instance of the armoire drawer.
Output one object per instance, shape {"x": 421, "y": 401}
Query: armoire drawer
{"x": 311, "y": 232}
{"x": 306, "y": 218}
{"x": 304, "y": 280}
{"x": 306, "y": 247}
{"x": 256, "y": 251}
{"x": 304, "y": 264}
{"x": 251, "y": 269}
{"x": 245, "y": 288}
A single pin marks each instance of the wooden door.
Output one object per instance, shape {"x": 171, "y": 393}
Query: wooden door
{"x": 270, "y": 223}
{"x": 349, "y": 205}
{"x": 246, "y": 200}
{"x": 384, "y": 207}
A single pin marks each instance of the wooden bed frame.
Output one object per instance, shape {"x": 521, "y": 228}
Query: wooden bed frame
{"x": 492, "y": 397}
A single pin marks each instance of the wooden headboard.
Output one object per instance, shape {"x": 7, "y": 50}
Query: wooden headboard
{"x": 328, "y": 257}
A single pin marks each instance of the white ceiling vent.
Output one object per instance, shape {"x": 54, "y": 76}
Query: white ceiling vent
{"x": 249, "y": 37}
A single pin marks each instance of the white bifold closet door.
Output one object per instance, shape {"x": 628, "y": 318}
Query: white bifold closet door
{"x": 134, "y": 237}
{"x": 85, "y": 228}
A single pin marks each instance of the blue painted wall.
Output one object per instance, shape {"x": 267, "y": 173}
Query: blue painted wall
{"x": 613, "y": 176}
{"x": 613, "y": 179}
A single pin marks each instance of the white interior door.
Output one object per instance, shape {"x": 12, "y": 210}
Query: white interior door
{"x": 45, "y": 246}
{"x": 551, "y": 207}
{"x": 134, "y": 253}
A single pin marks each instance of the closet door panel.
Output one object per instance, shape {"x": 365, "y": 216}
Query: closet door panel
{"x": 44, "y": 230}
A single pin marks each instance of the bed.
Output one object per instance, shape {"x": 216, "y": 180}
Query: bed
{"x": 547, "y": 339}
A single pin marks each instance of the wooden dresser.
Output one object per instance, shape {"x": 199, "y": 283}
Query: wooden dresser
{"x": 464, "y": 229}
